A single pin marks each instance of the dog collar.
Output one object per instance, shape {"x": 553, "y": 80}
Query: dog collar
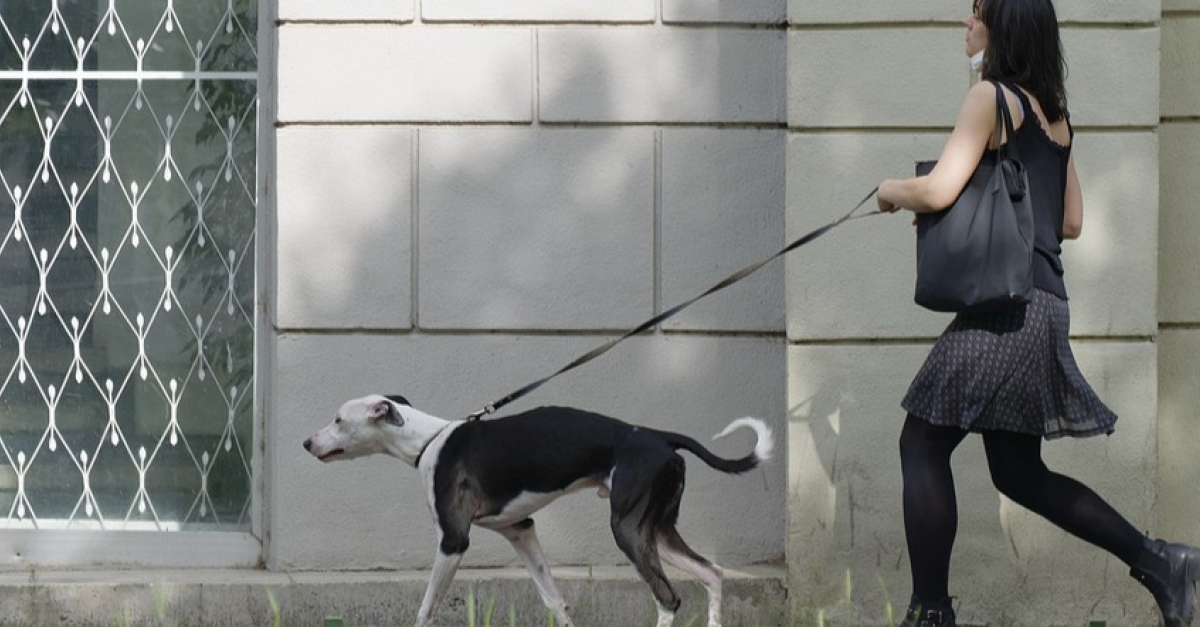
{"x": 421, "y": 453}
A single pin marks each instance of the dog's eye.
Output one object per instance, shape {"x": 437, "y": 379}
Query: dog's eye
{"x": 337, "y": 421}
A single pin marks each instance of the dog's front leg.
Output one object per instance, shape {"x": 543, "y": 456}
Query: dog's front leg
{"x": 444, "y": 566}
{"x": 525, "y": 542}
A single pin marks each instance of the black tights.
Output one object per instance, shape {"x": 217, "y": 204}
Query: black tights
{"x": 1015, "y": 462}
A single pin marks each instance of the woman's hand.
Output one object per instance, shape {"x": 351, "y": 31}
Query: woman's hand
{"x": 882, "y": 197}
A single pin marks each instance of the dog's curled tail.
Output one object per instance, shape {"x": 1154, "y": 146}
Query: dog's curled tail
{"x": 761, "y": 453}
{"x": 766, "y": 440}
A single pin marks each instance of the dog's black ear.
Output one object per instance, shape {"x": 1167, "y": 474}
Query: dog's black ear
{"x": 399, "y": 400}
{"x": 386, "y": 411}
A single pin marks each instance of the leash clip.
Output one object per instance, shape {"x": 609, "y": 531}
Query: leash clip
{"x": 487, "y": 409}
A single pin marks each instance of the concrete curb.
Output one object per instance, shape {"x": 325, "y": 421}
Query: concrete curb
{"x": 601, "y": 596}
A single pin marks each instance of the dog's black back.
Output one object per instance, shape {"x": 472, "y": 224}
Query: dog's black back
{"x": 541, "y": 450}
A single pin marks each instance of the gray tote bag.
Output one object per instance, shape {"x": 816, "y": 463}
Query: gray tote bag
{"x": 977, "y": 255}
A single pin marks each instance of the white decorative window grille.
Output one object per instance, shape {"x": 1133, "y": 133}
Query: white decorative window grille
{"x": 127, "y": 247}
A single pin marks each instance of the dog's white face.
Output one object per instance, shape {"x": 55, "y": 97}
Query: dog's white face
{"x": 359, "y": 428}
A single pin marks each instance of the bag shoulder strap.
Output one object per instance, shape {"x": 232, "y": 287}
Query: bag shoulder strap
{"x": 1004, "y": 123}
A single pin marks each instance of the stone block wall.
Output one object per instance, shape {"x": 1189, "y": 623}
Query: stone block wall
{"x": 470, "y": 194}
{"x": 1179, "y": 270}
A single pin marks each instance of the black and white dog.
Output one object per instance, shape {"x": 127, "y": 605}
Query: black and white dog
{"x": 496, "y": 473}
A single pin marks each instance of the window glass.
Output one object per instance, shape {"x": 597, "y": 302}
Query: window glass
{"x": 127, "y": 247}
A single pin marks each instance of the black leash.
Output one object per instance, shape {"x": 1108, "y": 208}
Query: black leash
{"x": 656, "y": 320}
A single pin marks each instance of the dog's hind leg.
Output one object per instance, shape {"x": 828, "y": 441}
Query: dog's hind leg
{"x": 525, "y": 542}
{"x": 645, "y": 482}
{"x": 678, "y": 554}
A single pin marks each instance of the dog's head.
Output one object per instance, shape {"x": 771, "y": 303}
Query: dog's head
{"x": 363, "y": 426}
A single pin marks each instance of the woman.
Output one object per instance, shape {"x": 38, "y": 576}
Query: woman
{"x": 1010, "y": 375}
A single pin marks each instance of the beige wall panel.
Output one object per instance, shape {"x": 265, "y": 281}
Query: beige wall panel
{"x": 548, "y": 229}
{"x": 1181, "y": 66}
{"x": 1180, "y": 5}
{"x": 1111, "y": 270}
{"x": 637, "y": 74}
{"x": 1179, "y": 223}
{"x": 845, "y": 533}
{"x": 538, "y": 10}
{"x": 1112, "y": 76}
{"x": 337, "y": 185}
{"x": 725, "y": 11}
{"x": 1179, "y": 434}
{"x": 875, "y": 77}
{"x": 722, "y": 209}
{"x": 348, "y": 10}
{"x": 870, "y": 11}
{"x": 857, "y": 281}
{"x": 384, "y": 72}
{"x": 887, "y": 77}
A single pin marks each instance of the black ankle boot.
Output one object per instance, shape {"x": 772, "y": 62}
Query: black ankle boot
{"x": 940, "y": 614}
{"x": 1169, "y": 571}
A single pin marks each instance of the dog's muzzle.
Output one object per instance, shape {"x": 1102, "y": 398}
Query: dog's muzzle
{"x": 323, "y": 457}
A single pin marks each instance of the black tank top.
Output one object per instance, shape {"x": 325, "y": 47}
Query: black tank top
{"x": 1046, "y": 164}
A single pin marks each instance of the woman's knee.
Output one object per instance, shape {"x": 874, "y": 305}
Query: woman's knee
{"x": 921, "y": 441}
{"x": 1015, "y": 464}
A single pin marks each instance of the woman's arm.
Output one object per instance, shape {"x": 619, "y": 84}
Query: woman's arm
{"x": 1072, "y": 204}
{"x": 937, "y": 190}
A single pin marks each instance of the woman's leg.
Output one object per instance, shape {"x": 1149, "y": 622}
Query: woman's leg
{"x": 1018, "y": 472}
{"x": 930, "y": 507}
{"x": 1169, "y": 571}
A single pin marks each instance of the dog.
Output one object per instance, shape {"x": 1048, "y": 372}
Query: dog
{"x": 497, "y": 473}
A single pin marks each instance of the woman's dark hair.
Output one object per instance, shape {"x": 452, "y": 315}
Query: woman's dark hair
{"x": 1024, "y": 48}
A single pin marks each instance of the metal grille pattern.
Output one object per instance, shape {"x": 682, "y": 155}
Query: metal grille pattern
{"x": 127, "y": 247}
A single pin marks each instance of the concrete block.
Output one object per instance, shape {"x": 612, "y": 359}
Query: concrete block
{"x": 344, "y": 222}
{"x": 657, "y": 75}
{"x": 1098, "y": 59}
{"x": 1178, "y": 436}
{"x": 536, "y": 229}
{"x": 856, "y": 281}
{"x": 876, "y": 77}
{"x": 845, "y": 535}
{"x": 390, "y": 73}
{"x": 537, "y": 11}
{"x": 725, "y": 11}
{"x": 1180, "y": 5}
{"x": 1179, "y": 223}
{"x": 918, "y": 77}
{"x": 877, "y": 11}
{"x": 690, "y": 384}
{"x": 1181, "y": 66}
{"x": 347, "y": 10}
{"x": 723, "y": 195}
{"x": 874, "y": 11}
{"x": 1118, "y": 172}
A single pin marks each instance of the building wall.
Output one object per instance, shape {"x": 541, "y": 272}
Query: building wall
{"x": 471, "y": 194}
{"x": 1179, "y": 267}
{"x": 873, "y": 87}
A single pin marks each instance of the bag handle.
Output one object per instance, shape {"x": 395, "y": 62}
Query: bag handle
{"x": 1004, "y": 120}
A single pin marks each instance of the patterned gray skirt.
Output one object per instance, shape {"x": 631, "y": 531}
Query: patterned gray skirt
{"x": 1011, "y": 370}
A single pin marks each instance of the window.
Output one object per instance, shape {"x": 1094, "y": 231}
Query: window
{"x": 127, "y": 249}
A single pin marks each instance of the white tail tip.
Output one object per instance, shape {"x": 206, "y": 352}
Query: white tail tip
{"x": 766, "y": 441}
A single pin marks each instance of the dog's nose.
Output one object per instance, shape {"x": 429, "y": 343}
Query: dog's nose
{"x": 308, "y": 445}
